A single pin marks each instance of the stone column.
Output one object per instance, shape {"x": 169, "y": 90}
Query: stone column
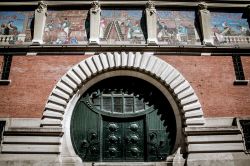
{"x": 151, "y": 23}
{"x": 40, "y": 20}
{"x": 205, "y": 24}
{"x": 95, "y": 16}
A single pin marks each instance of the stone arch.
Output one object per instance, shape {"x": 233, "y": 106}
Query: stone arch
{"x": 153, "y": 66}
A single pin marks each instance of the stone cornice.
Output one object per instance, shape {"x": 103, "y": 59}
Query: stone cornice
{"x": 131, "y": 3}
{"x": 160, "y": 49}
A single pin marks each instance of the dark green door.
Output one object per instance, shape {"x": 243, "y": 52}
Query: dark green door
{"x": 121, "y": 124}
{"x": 123, "y": 139}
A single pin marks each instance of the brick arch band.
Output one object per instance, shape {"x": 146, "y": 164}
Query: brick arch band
{"x": 78, "y": 75}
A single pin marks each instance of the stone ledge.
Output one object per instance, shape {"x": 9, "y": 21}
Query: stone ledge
{"x": 215, "y": 147}
{"x": 33, "y": 131}
{"x": 214, "y": 139}
{"x": 5, "y": 82}
{"x": 241, "y": 82}
{"x": 211, "y": 130}
{"x": 40, "y": 140}
{"x": 30, "y": 149}
{"x": 220, "y": 122}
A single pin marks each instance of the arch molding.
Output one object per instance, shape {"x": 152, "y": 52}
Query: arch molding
{"x": 78, "y": 75}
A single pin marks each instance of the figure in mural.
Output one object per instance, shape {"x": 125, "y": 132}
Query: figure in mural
{"x": 73, "y": 40}
{"x": 9, "y": 28}
{"x": 229, "y": 28}
{"x": 3, "y": 28}
{"x": 163, "y": 33}
{"x": 181, "y": 35}
{"x": 176, "y": 27}
{"x": 134, "y": 31}
{"x": 49, "y": 27}
{"x": 102, "y": 27}
{"x": 15, "y": 27}
{"x": 66, "y": 26}
{"x": 121, "y": 26}
{"x": 220, "y": 35}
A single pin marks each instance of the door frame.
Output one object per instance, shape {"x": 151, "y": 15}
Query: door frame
{"x": 67, "y": 143}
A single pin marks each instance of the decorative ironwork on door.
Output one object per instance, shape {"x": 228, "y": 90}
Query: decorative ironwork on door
{"x": 121, "y": 123}
{"x": 123, "y": 139}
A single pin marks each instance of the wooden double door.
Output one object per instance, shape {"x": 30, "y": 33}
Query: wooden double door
{"x": 116, "y": 120}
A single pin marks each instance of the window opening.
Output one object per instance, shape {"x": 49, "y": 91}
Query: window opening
{"x": 239, "y": 72}
{"x": 6, "y": 65}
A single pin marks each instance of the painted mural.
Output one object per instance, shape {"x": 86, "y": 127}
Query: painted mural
{"x": 176, "y": 27}
{"x": 66, "y": 27}
{"x": 121, "y": 27}
{"x": 229, "y": 28}
{"x": 15, "y": 27}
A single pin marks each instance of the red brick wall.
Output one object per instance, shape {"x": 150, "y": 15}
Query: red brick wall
{"x": 246, "y": 66}
{"x": 33, "y": 79}
{"x": 212, "y": 79}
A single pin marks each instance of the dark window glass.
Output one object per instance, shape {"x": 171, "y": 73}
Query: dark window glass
{"x": 97, "y": 102}
{"x": 6, "y": 67}
{"x": 118, "y": 104}
{"x": 107, "y": 104}
{"x": 238, "y": 68}
{"x": 139, "y": 105}
{"x": 129, "y": 103}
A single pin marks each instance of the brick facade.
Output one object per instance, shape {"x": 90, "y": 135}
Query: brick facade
{"x": 33, "y": 78}
{"x": 212, "y": 79}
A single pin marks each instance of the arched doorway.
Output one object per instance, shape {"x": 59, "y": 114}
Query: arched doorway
{"x": 81, "y": 77}
{"x": 123, "y": 119}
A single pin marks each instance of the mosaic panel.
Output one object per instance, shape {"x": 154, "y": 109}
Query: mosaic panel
{"x": 122, "y": 27}
{"x": 66, "y": 27}
{"x": 229, "y": 28}
{"x": 176, "y": 27}
{"x": 15, "y": 27}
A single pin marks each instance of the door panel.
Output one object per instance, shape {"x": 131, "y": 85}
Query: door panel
{"x": 123, "y": 140}
{"x": 112, "y": 140}
{"x": 85, "y": 132}
{"x": 157, "y": 138}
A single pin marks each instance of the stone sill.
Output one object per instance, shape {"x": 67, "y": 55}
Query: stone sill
{"x": 241, "y": 82}
{"x": 5, "y": 82}
{"x": 211, "y": 130}
{"x": 24, "y": 131}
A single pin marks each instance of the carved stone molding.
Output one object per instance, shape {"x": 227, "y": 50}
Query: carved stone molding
{"x": 40, "y": 20}
{"x": 42, "y": 7}
{"x": 95, "y": 18}
{"x": 182, "y": 94}
{"x": 151, "y": 23}
{"x": 95, "y": 7}
{"x": 205, "y": 24}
